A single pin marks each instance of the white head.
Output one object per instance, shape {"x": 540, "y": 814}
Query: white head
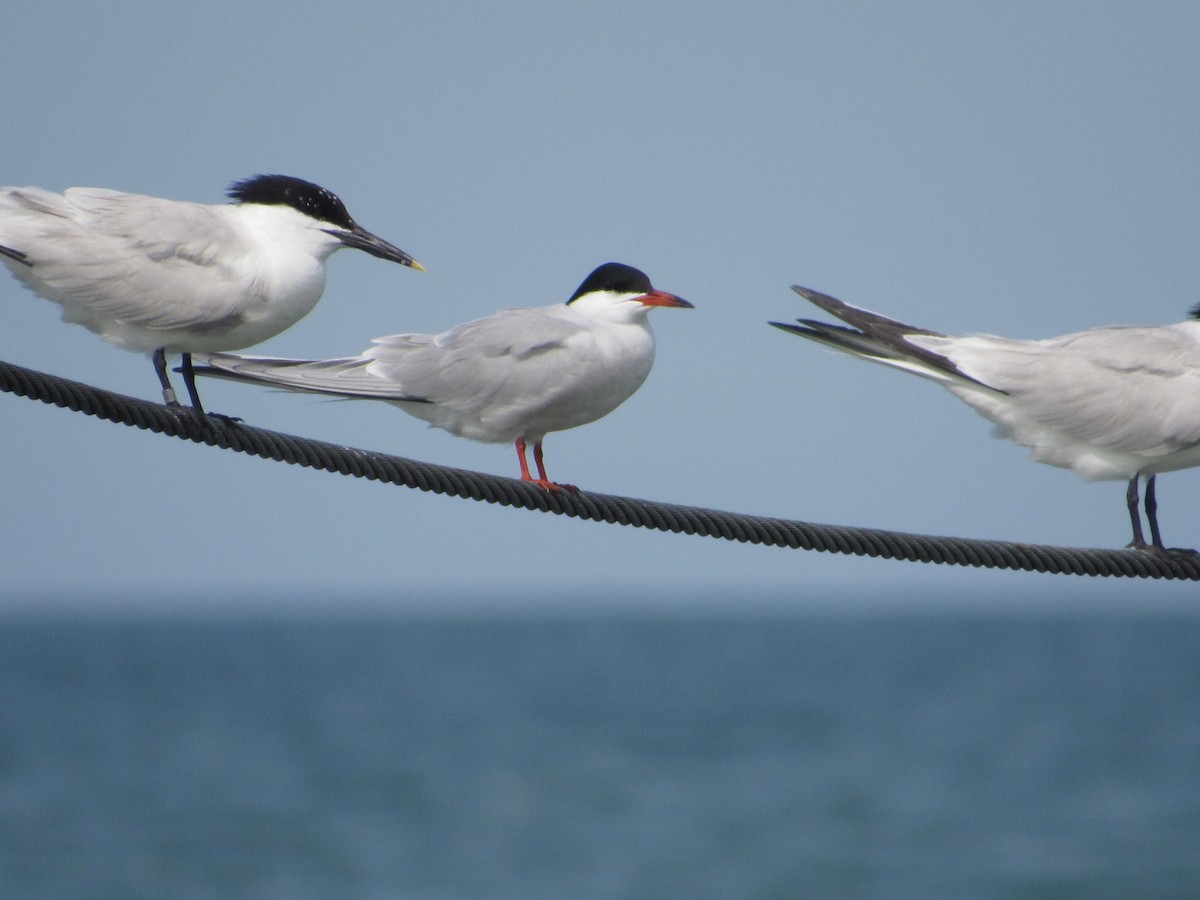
{"x": 622, "y": 293}
{"x": 322, "y": 207}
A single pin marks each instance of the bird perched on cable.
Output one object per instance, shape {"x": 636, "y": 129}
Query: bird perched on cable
{"x": 514, "y": 376}
{"x": 1121, "y": 402}
{"x": 167, "y": 276}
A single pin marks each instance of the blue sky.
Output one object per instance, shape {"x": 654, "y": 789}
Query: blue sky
{"x": 1025, "y": 169}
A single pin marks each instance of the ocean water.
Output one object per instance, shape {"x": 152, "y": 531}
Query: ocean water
{"x": 534, "y": 757}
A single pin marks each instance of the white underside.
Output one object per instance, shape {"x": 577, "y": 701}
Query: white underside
{"x": 521, "y": 373}
{"x": 145, "y": 273}
{"x": 1108, "y": 403}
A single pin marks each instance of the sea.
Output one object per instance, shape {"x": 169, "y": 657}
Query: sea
{"x": 528, "y": 756}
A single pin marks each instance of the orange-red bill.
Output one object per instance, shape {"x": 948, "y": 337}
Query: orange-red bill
{"x": 662, "y": 298}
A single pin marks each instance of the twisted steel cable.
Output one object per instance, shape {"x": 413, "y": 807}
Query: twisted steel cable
{"x": 217, "y": 432}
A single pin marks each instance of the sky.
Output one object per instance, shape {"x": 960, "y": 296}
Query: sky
{"x": 1024, "y": 169}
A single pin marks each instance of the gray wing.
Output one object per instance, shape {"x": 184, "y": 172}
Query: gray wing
{"x": 346, "y": 377}
{"x": 126, "y": 256}
{"x": 1135, "y": 389}
{"x": 483, "y": 366}
{"x": 479, "y": 365}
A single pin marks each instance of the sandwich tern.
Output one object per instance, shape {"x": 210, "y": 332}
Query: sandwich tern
{"x": 1111, "y": 403}
{"x": 166, "y": 276}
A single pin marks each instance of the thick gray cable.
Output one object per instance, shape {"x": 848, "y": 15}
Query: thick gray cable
{"x": 216, "y": 432}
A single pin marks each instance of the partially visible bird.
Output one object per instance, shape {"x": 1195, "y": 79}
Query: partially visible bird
{"x": 514, "y": 376}
{"x": 1120, "y": 402}
{"x": 167, "y": 276}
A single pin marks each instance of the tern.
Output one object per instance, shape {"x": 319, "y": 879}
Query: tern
{"x": 1111, "y": 403}
{"x": 512, "y": 377}
{"x": 166, "y": 276}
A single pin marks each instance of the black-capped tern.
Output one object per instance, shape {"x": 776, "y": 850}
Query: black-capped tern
{"x": 167, "y": 276}
{"x": 514, "y": 376}
{"x": 1119, "y": 402}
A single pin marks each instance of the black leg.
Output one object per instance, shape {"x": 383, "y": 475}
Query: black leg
{"x": 1152, "y": 514}
{"x": 160, "y": 369}
{"x": 189, "y": 380}
{"x": 1131, "y": 500}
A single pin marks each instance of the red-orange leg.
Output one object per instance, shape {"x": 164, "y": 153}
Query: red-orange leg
{"x": 542, "y": 479}
{"x": 525, "y": 476}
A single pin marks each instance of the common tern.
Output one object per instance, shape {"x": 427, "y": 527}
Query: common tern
{"x": 1119, "y": 402}
{"x": 167, "y": 276}
{"x": 514, "y": 376}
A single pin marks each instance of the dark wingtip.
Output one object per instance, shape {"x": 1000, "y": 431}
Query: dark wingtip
{"x": 787, "y": 326}
{"x": 808, "y": 293}
{"x": 824, "y": 301}
{"x": 15, "y": 255}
